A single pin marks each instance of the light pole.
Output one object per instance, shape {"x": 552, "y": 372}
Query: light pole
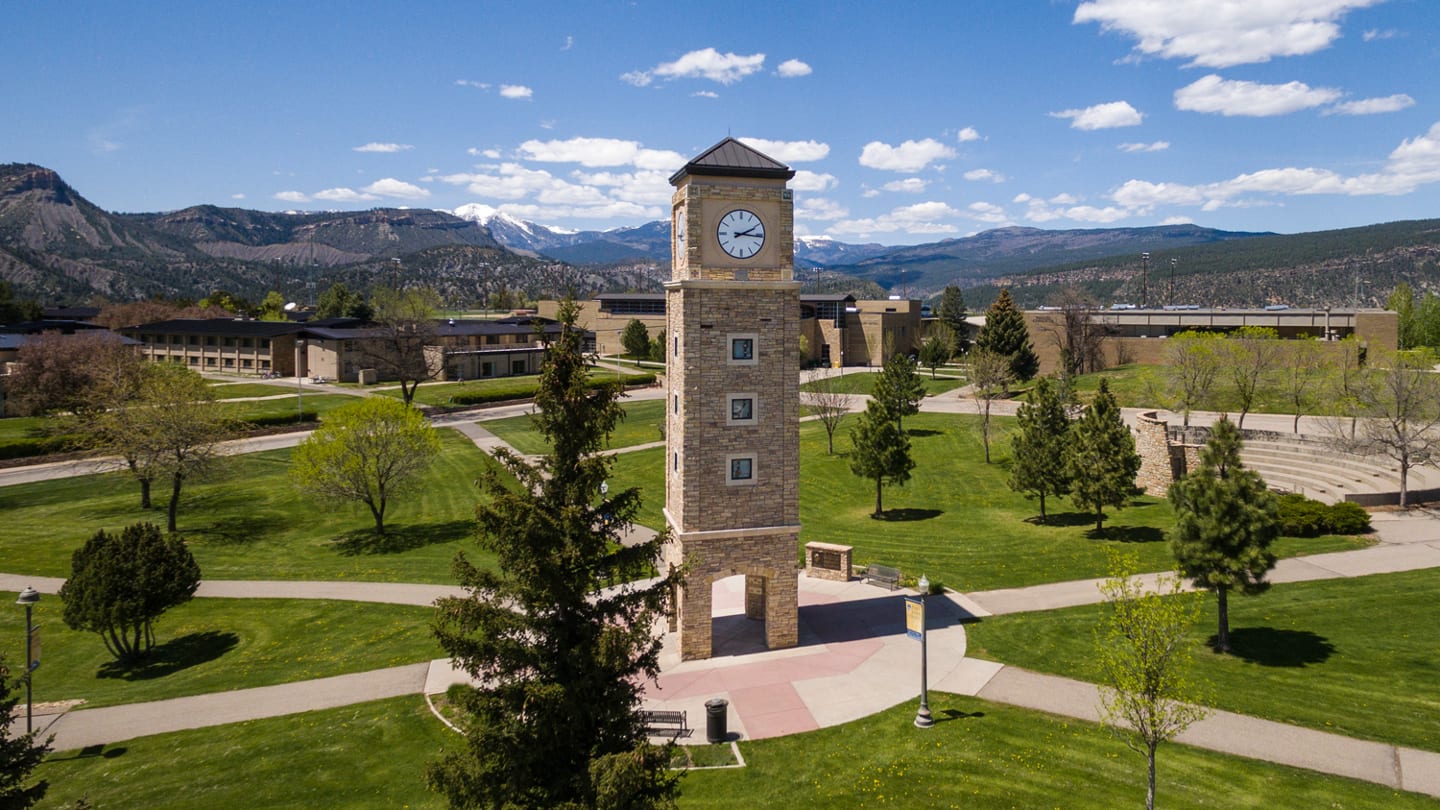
{"x": 922, "y": 717}
{"x": 299, "y": 394}
{"x": 1145, "y": 280}
{"x": 28, "y": 598}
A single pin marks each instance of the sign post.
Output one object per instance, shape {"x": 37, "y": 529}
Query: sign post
{"x": 915, "y": 628}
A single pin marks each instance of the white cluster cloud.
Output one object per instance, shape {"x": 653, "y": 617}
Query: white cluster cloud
{"x": 1412, "y": 164}
{"x": 1102, "y": 116}
{"x": 601, "y": 152}
{"x": 383, "y": 147}
{"x": 1212, "y": 94}
{"x": 491, "y": 154}
{"x": 908, "y": 157}
{"x": 1156, "y": 146}
{"x": 792, "y": 68}
{"x": 471, "y": 83}
{"x": 976, "y": 175}
{"x": 1222, "y": 33}
{"x": 920, "y": 218}
{"x": 821, "y": 209}
{"x": 1372, "y": 106}
{"x": 388, "y": 187}
{"x": 707, "y": 63}
{"x": 967, "y": 134}
{"x": 910, "y": 185}
{"x": 705, "y": 94}
{"x": 789, "y": 151}
{"x": 516, "y": 91}
{"x": 813, "y": 181}
{"x": 989, "y": 213}
{"x": 1066, "y": 206}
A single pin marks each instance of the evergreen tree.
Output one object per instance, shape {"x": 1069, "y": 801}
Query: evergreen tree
{"x": 952, "y": 314}
{"x": 560, "y": 664}
{"x": 19, "y": 754}
{"x": 899, "y": 389}
{"x": 1102, "y": 461}
{"x": 1037, "y": 466}
{"x": 1005, "y": 334}
{"x": 635, "y": 339}
{"x": 882, "y": 450}
{"x": 1225, "y": 521}
{"x": 340, "y": 302}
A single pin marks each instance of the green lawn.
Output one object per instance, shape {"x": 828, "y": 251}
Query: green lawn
{"x": 956, "y": 521}
{"x": 498, "y": 389}
{"x": 644, "y": 422}
{"x": 1139, "y": 386}
{"x": 979, "y": 755}
{"x": 371, "y": 755}
{"x": 987, "y": 755}
{"x": 213, "y": 645}
{"x": 863, "y": 382}
{"x": 1355, "y": 657}
{"x": 23, "y": 436}
{"x": 249, "y": 389}
{"x": 271, "y": 409}
{"x": 249, "y": 522}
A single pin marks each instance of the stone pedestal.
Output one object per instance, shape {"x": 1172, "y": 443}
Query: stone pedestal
{"x": 828, "y": 561}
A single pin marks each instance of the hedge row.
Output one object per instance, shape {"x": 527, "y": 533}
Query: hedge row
{"x": 1302, "y": 517}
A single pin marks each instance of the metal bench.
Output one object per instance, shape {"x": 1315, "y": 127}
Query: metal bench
{"x": 665, "y": 724}
{"x": 882, "y": 575}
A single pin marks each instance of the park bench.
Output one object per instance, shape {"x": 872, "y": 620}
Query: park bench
{"x": 882, "y": 575}
{"x": 665, "y": 724}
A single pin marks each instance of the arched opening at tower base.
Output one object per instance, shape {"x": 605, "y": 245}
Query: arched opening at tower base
{"x": 737, "y": 612}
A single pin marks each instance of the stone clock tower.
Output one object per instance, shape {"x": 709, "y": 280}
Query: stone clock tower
{"x": 732, "y": 414}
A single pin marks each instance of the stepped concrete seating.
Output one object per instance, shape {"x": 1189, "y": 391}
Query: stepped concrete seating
{"x": 1315, "y": 469}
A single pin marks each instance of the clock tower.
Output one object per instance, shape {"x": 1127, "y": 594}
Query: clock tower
{"x": 732, "y": 467}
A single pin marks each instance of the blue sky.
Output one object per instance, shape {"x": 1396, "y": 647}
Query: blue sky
{"x": 908, "y": 121}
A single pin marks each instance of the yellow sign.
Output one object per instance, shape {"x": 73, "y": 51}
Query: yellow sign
{"x": 914, "y": 617}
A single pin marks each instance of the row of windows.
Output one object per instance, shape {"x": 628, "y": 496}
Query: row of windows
{"x": 225, "y": 362}
{"x": 210, "y": 340}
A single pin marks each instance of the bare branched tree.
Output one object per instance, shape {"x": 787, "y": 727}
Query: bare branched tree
{"x": 832, "y": 399}
{"x": 1397, "y": 403}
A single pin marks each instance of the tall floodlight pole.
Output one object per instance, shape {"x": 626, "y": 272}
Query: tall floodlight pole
{"x": 1171, "y": 294}
{"x": 28, "y": 598}
{"x": 1145, "y": 280}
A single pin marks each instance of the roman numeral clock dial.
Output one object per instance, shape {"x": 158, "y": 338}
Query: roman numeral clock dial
{"x": 741, "y": 234}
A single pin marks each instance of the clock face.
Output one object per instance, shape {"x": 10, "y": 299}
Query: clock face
{"x": 680, "y": 232}
{"x": 741, "y": 233}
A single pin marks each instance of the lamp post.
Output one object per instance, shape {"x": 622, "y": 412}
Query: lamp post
{"x": 28, "y": 598}
{"x": 299, "y": 395}
{"x": 922, "y": 717}
{"x": 1145, "y": 280}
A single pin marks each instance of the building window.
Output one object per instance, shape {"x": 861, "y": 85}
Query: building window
{"x": 677, "y": 403}
{"x": 743, "y": 350}
{"x": 209, "y": 361}
{"x": 209, "y": 340}
{"x": 265, "y": 365}
{"x": 229, "y": 362}
{"x": 740, "y": 409}
{"x": 246, "y": 342}
{"x": 245, "y": 363}
{"x": 676, "y": 461}
{"x": 264, "y": 343}
{"x": 741, "y": 470}
{"x": 517, "y": 366}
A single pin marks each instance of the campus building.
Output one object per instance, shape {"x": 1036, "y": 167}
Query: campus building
{"x": 1138, "y": 335}
{"x": 835, "y": 330}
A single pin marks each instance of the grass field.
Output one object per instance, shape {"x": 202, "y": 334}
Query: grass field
{"x": 213, "y": 645}
{"x": 499, "y": 389}
{"x": 249, "y": 522}
{"x": 1137, "y": 386}
{"x": 861, "y": 382}
{"x": 644, "y": 422}
{"x": 956, "y": 521}
{"x": 251, "y": 389}
{"x": 371, "y": 755}
{"x": 1353, "y": 656}
{"x": 979, "y": 755}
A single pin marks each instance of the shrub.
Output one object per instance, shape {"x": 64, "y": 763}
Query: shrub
{"x": 1303, "y": 517}
{"x": 1349, "y": 518}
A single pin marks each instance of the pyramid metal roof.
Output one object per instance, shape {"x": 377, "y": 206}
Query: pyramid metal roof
{"x": 731, "y": 158}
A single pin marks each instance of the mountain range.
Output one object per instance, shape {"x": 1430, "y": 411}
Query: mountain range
{"x": 58, "y": 247}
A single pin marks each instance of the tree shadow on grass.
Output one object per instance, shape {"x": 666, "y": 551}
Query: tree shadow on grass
{"x": 236, "y": 530}
{"x": 172, "y": 656}
{"x": 1128, "y": 534}
{"x": 1067, "y": 519}
{"x": 921, "y": 433}
{"x": 1270, "y": 647}
{"x": 397, "y": 539}
{"x": 902, "y": 515}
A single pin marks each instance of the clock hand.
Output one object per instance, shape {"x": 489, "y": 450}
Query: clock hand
{"x": 745, "y": 232}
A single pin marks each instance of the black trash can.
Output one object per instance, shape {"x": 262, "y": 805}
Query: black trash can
{"x": 717, "y": 717}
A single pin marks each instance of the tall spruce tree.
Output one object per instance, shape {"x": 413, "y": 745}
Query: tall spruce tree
{"x": 1102, "y": 461}
{"x": 882, "y": 450}
{"x": 899, "y": 388}
{"x": 560, "y": 663}
{"x": 952, "y": 314}
{"x": 1225, "y": 521}
{"x": 1004, "y": 333}
{"x": 1037, "y": 463}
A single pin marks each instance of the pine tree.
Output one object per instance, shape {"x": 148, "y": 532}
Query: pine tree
{"x": 952, "y": 314}
{"x": 882, "y": 450}
{"x": 1005, "y": 334}
{"x": 1225, "y": 521}
{"x": 1102, "y": 461}
{"x": 554, "y": 721}
{"x": 19, "y": 754}
{"x": 1037, "y": 465}
{"x": 899, "y": 388}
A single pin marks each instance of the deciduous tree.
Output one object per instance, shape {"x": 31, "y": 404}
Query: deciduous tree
{"x": 1251, "y": 355}
{"x": 1102, "y": 461}
{"x": 371, "y": 452}
{"x": 340, "y": 302}
{"x": 120, "y": 584}
{"x": 404, "y": 326}
{"x": 1397, "y": 405}
{"x": 989, "y": 380}
{"x": 1301, "y": 364}
{"x": 19, "y": 753}
{"x": 1005, "y": 334}
{"x": 559, "y": 665}
{"x": 1148, "y": 696}
{"x": 1225, "y": 521}
{"x": 831, "y": 399}
{"x": 272, "y": 308}
{"x": 881, "y": 450}
{"x": 1037, "y": 457}
{"x": 1077, "y": 334}
{"x": 1192, "y": 364}
{"x": 59, "y": 373}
